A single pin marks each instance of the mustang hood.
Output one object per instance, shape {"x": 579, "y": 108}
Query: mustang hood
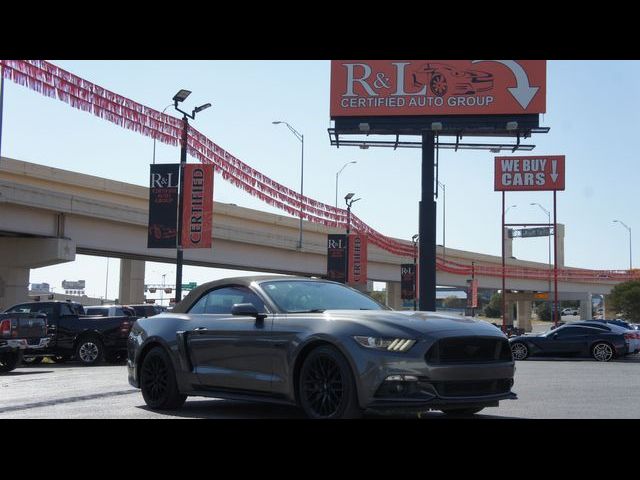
{"x": 414, "y": 323}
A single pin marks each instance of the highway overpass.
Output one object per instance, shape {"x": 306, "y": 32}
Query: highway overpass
{"x": 47, "y": 215}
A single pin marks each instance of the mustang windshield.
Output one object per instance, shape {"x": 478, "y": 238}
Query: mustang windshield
{"x": 297, "y": 296}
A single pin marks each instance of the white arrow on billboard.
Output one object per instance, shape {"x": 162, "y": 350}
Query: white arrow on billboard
{"x": 522, "y": 92}
{"x": 554, "y": 166}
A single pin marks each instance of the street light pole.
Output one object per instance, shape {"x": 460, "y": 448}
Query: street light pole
{"x": 414, "y": 239}
{"x": 349, "y": 201}
{"x": 444, "y": 216}
{"x": 106, "y": 282}
{"x": 337, "y": 174}
{"x": 180, "y": 97}
{"x": 629, "y": 230}
{"x": 300, "y": 137}
{"x": 549, "y": 236}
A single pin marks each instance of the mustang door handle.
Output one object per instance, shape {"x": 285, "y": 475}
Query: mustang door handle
{"x": 200, "y": 329}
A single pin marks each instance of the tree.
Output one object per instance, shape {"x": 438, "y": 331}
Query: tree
{"x": 625, "y": 299}
{"x": 544, "y": 311}
{"x": 494, "y": 308}
{"x": 379, "y": 295}
{"x": 454, "y": 302}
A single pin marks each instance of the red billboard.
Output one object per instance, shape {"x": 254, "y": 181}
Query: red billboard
{"x": 357, "y": 263}
{"x": 197, "y": 209}
{"x": 437, "y": 87}
{"x": 529, "y": 173}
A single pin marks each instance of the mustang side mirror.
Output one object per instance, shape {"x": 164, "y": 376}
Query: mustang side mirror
{"x": 247, "y": 309}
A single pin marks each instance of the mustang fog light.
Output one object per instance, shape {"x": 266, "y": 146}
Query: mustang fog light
{"x": 389, "y": 344}
{"x": 401, "y": 378}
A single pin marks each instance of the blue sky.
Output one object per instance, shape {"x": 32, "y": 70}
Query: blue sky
{"x": 592, "y": 109}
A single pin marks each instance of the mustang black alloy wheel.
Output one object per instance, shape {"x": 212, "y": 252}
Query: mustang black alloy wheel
{"x": 158, "y": 381}
{"x": 327, "y": 388}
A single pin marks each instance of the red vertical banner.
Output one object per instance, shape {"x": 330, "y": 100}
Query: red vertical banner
{"x": 357, "y": 274}
{"x": 197, "y": 210}
{"x": 472, "y": 293}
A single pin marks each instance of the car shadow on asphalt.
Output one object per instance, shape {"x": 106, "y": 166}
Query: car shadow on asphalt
{"x": 230, "y": 409}
{"x": 69, "y": 364}
{"x": 233, "y": 410}
{"x": 15, "y": 373}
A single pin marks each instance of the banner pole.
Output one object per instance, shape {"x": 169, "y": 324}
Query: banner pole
{"x": 504, "y": 292}
{"x": 555, "y": 261}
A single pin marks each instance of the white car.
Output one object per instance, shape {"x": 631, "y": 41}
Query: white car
{"x": 570, "y": 311}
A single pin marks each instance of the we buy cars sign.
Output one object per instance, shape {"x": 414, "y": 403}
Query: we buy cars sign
{"x": 529, "y": 173}
{"x": 437, "y": 87}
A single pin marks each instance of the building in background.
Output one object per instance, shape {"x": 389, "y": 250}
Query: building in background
{"x": 74, "y": 287}
{"x": 40, "y": 288}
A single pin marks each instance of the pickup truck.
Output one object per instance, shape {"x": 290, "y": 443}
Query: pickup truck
{"x": 19, "y": 331}
{"x": 73, "y": 334}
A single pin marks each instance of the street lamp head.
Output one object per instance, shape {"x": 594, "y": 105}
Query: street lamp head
{"x": 349, "y": 196}
{"x": 276, "y": 123}
{"x": 201, "y": 107}
{"x": 181, "y": 96}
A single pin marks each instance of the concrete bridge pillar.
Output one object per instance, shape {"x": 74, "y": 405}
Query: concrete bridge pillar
{"x": 509, "y": 312}
{"x": 131, "y": 281}
{"x": 20, "y": 255}
{"x": 524, "y": 315}
{"x": 394, "y": 299}
{"x": 586, "y": 309}
{"x": 14, "y": 286}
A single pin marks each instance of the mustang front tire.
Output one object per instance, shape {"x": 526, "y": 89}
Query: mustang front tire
{"x": 158, "y": 381}
{"x": 326, "y": 385}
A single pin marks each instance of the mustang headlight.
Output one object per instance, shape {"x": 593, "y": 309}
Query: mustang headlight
{"x": 389, "y": 344}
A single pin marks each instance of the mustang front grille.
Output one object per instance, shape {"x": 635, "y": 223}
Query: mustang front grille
{"x": 469, "y": 350}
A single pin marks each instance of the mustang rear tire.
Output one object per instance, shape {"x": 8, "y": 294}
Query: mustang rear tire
{"x": 326, "y": 385}
{"x": 158, "y": 381}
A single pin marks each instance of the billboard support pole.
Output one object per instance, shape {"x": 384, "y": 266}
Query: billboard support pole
{"x": 555, "y": 261}
{"x": 504, "y": 292}
{"x": 427, "y": 226}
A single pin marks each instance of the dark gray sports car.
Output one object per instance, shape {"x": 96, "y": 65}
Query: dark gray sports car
{"x": 318, "y": 344}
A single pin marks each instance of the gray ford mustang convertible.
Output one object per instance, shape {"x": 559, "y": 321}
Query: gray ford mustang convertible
{"x": 317, "y": 344}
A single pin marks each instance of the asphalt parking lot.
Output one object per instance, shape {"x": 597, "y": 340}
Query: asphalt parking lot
{"x": 547, "y": 389}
